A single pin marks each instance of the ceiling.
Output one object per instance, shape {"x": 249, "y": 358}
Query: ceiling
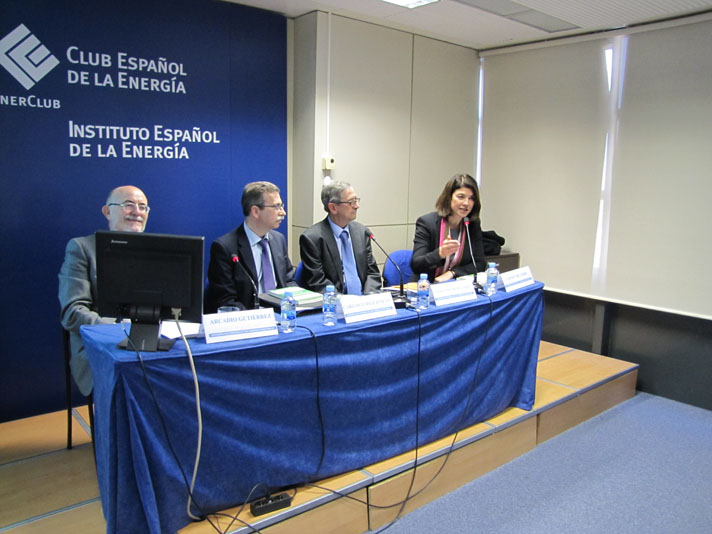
{"x": 485, "y": 24}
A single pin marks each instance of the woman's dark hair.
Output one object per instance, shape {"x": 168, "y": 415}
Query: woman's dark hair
{"x": 443, "y": 203}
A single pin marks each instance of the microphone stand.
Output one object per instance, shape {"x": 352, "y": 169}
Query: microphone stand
{"x": 255, "y": 293}
{"x": 400, "y": 300}
{"x": 478, "y": 287}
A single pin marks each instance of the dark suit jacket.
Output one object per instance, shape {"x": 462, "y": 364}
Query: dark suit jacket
{"x": 228, "y": 283}
{"x": 321, "y": 261}
{"x": 77, "y": 299}
{"x": 427, "y": 241}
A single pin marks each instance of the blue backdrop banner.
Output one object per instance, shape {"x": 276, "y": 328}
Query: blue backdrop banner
{"x": 185, "y": 99}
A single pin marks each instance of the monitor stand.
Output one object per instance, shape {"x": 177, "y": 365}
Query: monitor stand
{"x": 146, "y": 337}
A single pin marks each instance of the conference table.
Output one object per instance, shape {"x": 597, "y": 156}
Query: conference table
{"x": 282, "y": 410}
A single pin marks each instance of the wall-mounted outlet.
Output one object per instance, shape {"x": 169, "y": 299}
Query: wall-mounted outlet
{"x": 327, "y": 163}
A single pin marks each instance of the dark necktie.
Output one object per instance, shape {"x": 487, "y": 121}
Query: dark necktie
{"x": 353, "y": 282}
{"x": 267, "y": 276}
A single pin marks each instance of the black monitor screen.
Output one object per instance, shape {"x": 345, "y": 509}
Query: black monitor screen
{"x": 142, "y": 276}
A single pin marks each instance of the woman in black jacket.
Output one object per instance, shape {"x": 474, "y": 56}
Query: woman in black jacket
{"x": 440, "y": 246}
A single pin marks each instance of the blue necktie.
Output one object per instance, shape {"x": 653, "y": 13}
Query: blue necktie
{"x": 353, "y": 282}
{"x": 267, "y": 277}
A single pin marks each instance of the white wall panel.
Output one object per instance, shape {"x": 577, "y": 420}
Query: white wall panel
{"x": 444, "y": 120}
{"x": 397, "y": 112}
{"x": 369, "y": 127}
{"x": 309, "y": 116}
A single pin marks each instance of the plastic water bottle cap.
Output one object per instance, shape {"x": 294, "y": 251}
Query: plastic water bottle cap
{"x": 287, "y": 294}
{"x": 330, "y": 288}
{"x": 423, "y": 276}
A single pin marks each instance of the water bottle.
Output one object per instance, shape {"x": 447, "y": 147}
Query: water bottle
{"x": 423, "y": 292}
{"x": 288, "y": 312}
{"x": 492, "y": 275}
{"x": 328, "y": 306}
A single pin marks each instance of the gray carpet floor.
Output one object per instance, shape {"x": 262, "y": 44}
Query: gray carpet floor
{"x": 644, "y": 466}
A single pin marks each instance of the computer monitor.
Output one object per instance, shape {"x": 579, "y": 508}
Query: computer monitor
{"x": 143, "y": 276}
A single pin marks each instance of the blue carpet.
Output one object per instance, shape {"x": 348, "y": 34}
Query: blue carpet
{"x": 642, "y": 466}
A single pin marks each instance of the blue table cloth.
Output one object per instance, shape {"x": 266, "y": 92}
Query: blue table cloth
{"x": 302, "y": 406}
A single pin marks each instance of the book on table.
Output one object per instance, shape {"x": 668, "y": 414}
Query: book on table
{"x": 301, "y": 295}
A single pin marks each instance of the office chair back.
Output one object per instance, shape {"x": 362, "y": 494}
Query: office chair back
{"x": 298, "y": 274}
{"x": 390, "y": 273}
{"x": 68, "y": 394}
{"x": 67, "y": 385}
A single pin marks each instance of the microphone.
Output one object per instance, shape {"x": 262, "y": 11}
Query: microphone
{"x": 255, "y": 293}
{"x": 477, "y": 286}
{"x": 400, "y": 301}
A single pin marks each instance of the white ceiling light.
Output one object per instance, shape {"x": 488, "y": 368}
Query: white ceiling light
{"x": 410, "y": 3}
{"x": 519, "y": 12}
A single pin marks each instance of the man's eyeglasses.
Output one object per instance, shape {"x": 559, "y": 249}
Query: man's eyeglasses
{"x": 352, "y": 201}
{"x": 278, "y": 207}
{"x": 128, "y": 205}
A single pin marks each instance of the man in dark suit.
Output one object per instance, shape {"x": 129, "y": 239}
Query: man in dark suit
{"x": 337, "y": 250}
{"x": 260, "y": 251}
{"x": 126, "y": 210}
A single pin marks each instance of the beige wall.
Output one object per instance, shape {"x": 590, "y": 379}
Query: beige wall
{"x": 397, "y": 112}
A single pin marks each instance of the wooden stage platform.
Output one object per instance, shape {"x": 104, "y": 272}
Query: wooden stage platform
{"x": 47, "y": 488}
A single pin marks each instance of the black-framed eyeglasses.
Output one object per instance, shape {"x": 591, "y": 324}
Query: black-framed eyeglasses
{"x": 128, "y": 205}
{"x": 278, "y": 207}
{"x": 352, "y": 201}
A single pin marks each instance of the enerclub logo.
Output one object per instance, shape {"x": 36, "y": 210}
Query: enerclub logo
{"x": 25, "y": 57}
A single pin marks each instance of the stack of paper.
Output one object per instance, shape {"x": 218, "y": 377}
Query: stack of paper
{"x": 301, "y": 295}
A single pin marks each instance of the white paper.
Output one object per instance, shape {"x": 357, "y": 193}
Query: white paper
{"x": 169, "y": 329}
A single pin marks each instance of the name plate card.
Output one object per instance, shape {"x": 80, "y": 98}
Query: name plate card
{"x": 355, "y": 308}
{"x": 517, "y": 279}
{"x": 244, "y": 324}
{"x": 455, "y": 291}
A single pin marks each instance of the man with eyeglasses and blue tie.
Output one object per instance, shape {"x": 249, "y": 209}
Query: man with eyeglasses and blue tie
{"x": 337, "y": 250}
{"x": 252, "y": 258}
{"x": 126, "y": 210}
